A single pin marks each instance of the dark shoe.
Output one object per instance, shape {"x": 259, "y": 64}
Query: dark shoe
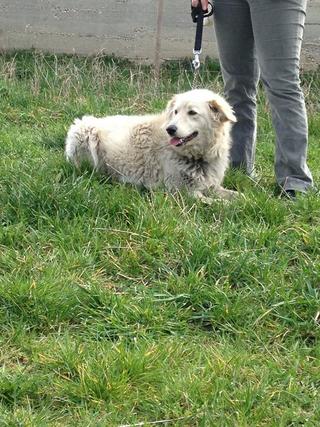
{"x": 289, "y": 194}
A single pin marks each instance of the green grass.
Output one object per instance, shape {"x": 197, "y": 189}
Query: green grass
{"x": 119, "y": 306}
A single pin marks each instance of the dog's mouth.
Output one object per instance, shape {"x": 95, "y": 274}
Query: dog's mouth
{"x": 177, "y": 142}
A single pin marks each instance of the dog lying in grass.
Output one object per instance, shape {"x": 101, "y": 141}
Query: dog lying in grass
{"x": 184, "y": 147}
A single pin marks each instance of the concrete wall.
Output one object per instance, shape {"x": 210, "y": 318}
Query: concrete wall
{"x": 123, "y": 27}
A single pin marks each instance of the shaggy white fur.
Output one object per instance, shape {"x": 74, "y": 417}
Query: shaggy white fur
{"x": 184, "y": 147}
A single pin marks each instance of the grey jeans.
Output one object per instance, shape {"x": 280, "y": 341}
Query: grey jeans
{"x": 262, "y": 39}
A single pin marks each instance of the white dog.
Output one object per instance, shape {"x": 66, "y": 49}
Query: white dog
{"x": 184, "y": 147}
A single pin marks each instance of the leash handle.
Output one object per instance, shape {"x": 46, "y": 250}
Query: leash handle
{"x": 197, "y": 11}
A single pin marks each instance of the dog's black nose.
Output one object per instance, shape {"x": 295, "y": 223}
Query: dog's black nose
{"x": 172, "y": 130}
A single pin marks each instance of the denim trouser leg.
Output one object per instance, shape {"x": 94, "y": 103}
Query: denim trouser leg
{"x": 240, "y": 72}
{"x": 268, "y": 33}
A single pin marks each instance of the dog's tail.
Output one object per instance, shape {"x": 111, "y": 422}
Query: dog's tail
{"x": 82, "y": 142}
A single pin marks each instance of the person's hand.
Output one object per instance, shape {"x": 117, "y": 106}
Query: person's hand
{"x": 204, "y": 3}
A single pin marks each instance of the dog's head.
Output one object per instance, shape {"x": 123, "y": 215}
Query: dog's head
{"x": 194, "y": 117}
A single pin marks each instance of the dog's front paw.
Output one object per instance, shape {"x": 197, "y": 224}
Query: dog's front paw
{"x": 206, "y": 200}
{"x": 223, "y": 193}
{"x": 231, "y": 194}
{"x": 203, "y": 198}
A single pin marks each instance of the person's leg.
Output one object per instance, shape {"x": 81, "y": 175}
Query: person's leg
{"x": 241, "y": 75}
{"x": 278, "y": 31}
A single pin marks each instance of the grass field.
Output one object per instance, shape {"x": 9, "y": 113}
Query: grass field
{"x": 120, "y": 307}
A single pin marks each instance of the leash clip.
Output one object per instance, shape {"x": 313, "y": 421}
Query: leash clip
{"x": 196, "y": 61}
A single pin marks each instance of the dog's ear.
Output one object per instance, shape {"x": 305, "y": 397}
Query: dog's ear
{"x": 171, "y": 106}
{"x": 222, "y": 110}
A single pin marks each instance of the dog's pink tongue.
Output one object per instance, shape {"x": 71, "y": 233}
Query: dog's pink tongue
{"x": 175, "y": 141}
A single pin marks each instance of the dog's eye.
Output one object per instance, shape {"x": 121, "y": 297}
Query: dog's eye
{"x": 175, "y": 111}
{"x": 192, "y": 113}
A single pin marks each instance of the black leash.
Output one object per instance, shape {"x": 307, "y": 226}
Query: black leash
{"x": 198, "y": 16}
